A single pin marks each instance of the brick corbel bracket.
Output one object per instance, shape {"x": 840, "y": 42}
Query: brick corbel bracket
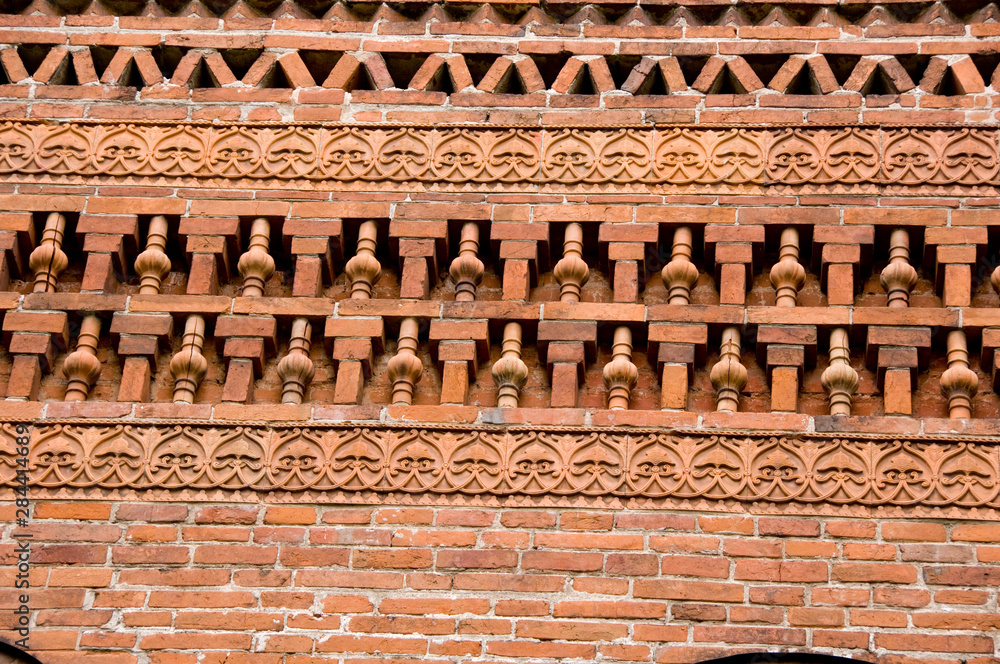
{"x": 899, "y": 353}
{"x": 420, "y": 246}
{"x": 953, "y": 253}
{"x": 675, "y": 349}
{"x": 989, "y": 360}
{"x": 565, "y": 347}
{"x": 458, "y": 346}
{"x": 626, "y": 255}
{"x": 317, "y": 245}
{"x": 17, "y": 239}
{"x": 138, "y": 338}
{"x": 245, "y": 342}
{"x": 523, "y": 250}
{"x": 839, "y": 252}
{"x": 352, "y": 344}
{"x": 734, "y": 250}
{"x": 785, "y": 351}
{"x": 33, "y": 337}
{"x": 212, "y": 245}
{"x": 109, "y": 240}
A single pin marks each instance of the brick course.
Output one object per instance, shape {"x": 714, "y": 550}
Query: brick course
{"x": 541, "y": 591}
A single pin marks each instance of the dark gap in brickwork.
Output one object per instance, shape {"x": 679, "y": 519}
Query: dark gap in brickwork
{"x": 879, "y": 85}
{"x": 316, "y": 7}
{"x": 986, "y": 63}
{"x": 124, "y": 7}
{"x": 915, "y": 65}
{"x": 265, "y": 7}
{"x": 550, "y": 65}
{"x": 621, "y": 66}
{"x": 707, "y": 14}
{"x": 654, "y": 84}
{"x": 691, "y": 66}
{"x": 201, "y": 77}
{"x": 842, "y": 66}
{"x": 479, "y": 64}
{"x": 511, "y": 83}
{"x": 240, "y": 60}
{"x": 173, "y": 6}
{"x": 403, "y": 66}
{"x": 65, "y": 73}
{"x": 218, "y": 7}
{"x": 14, "y": 6}
{"x": 802, "y": 14}
{"x": 756, "y": 13}
{"x": 766, "y": 66}
{"x": 32, "y": 55}
{"x": 275, "y": 79}
{"x": 584, "y": 83}
{"x": 726, "y": 84}
{"x": 907, "y": 12}
{"x": 320, "y": 63}
{"x": 804, "y": 83}
{"x": 365, "y": 10}
{"x": 167, "y": 59}
{"x": 102, "y": 55}
{"x": 948, "y": 85}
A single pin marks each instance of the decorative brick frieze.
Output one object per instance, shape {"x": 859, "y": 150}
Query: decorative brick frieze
{"x": 856, "y": 474}
{"x": 426, "y": 333}
{"x": 519, "y": 159}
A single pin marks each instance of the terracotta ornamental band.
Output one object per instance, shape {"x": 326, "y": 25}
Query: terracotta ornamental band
{"x": 858, "y": 159}
{"x": 683, "y": 469}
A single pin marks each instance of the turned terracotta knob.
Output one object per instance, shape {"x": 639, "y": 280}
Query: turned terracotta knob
{"x": 840, "y": 380}
{"x": 571, "y": 271}
{"x": 405, "y": 367}
{"x": 363, "y": 269}
{"x": 680, "y": 274}
{"x": 728, "y": 375}
{"x": 898, "y": 278}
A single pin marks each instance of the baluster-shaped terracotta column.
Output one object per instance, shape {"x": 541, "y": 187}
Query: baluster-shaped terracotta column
{"x": 467, "y": 270}
{"x": 363, "y": 269}
{"x": 256, "y": 264}
{"x": 840, "y": 380}
{"x": 405, "y": 367}
{"x": 353, "y": 342}
{"x": 248, "y": 338}
{"x": 140, "y": 335}
{"x": 153, "y": 264}
{"x": 680, "y": 274}
{"x": 510, "y": 372}
{"x": 787, "y": 275}
{"x": 959, "y": 383}
{"x": 571, "y": 271}
{"x": 48, "y": 259}
{"x": 295, "y": 369}
{"x": 566, "y": 357}
{"x": 898, "y": 278}
{"x": 620, "y": 374}
{"x": 37, "y": 334}
{"x": 82, "y": 368}
{"x": 188, "y": 366}
{"x": 673, "y": 345}
{"x": 728, "y": 375}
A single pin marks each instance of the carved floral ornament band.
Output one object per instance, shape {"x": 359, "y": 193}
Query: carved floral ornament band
{"x": 916, "y": 160}
{"x": 700, "y": 470}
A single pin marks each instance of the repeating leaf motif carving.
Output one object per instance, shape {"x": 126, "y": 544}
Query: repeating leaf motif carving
{"x": 904, "y": 159}
{"x": 805, "y": 469}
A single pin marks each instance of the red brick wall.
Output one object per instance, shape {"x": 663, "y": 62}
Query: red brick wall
{"x": 165, "y": 583}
